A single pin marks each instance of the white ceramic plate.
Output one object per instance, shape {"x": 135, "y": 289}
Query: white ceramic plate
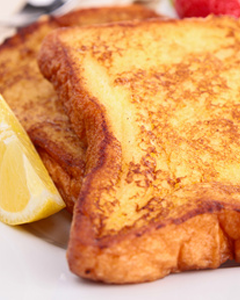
{"x": 33, "y": 266}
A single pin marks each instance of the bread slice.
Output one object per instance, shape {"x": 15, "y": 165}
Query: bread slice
{"x": 34, "y": 101}
{"x": 158, "y": 102}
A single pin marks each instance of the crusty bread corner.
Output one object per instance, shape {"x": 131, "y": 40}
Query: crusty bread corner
{"x": 158, "y": 103}
{"x": 198, "y": 243}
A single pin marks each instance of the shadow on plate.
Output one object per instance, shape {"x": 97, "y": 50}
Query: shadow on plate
{"x": 230, "y": 264}
{"x": 54, "y": 229}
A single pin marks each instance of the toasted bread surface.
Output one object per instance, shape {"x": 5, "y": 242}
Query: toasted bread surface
{"x": 35, "y": 102}
{"x": 158, "y": 103}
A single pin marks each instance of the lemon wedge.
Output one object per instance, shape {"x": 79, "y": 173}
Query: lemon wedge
{"x": 27, "y": 192}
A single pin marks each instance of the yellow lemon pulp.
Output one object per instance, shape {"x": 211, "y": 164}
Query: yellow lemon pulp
{"x": 27, "y": 192}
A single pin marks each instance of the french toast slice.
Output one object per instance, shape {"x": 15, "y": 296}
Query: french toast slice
{"x": 34, "y": 101}
{"x": 158, "y": 103}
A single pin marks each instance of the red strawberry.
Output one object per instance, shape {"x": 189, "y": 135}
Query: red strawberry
{"x": 202, "y": 8}
{"x": 192, "y": 8}
{"x": 225, "y": 7}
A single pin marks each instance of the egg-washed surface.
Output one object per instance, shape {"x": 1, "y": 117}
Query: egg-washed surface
{"x": 35, "y": 103}
{"x": 159, "y": 104}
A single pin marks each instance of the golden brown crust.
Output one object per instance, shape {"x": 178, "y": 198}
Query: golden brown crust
{"x": 35, "y": 103}
{"x": 158, "y": 103}
{"x": 153, "y": 255}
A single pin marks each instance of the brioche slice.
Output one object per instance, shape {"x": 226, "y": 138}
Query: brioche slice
{"x": 34, "y": 101}
{"x": 158, "y": 103}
